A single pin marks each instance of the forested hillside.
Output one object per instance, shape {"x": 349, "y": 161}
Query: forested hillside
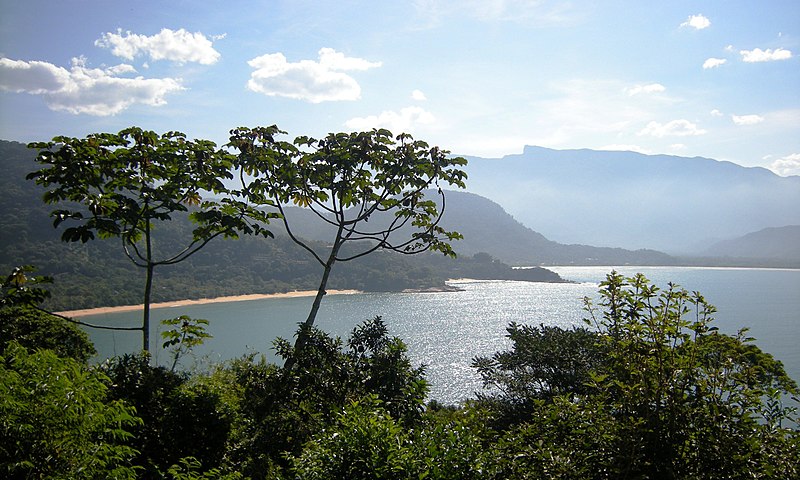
{"x": 97, "y": 273}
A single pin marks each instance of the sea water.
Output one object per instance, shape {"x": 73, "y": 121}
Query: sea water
{"x": 445, "y": 331}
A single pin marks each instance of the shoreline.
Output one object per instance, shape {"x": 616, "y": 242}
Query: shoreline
{"x": 86, "y": 312}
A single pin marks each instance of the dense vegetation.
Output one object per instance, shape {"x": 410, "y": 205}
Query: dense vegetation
{"x": 95, "y": 274}
{"x": 649, "y": 389}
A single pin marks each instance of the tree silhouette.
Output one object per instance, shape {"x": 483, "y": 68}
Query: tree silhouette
{"x": 369, "y": 187}
{"x": 122, "y": 185}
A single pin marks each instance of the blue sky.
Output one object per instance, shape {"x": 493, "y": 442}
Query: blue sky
{"x": 714, "y": 79}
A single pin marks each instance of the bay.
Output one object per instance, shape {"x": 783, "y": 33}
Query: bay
{"x": 446, "y": 330}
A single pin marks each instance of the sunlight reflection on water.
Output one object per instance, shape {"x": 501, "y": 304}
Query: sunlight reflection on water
{"x": 446, "y": 330}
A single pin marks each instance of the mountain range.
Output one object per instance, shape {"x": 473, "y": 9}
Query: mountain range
{"x": 663, "y": 206}
{"x": 673, "y": 204}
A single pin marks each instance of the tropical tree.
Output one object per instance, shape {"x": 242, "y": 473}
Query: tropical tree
{"x": 122, "y": 185}
{"x": 654, "y": 390}
{"x": 369, "y": 187}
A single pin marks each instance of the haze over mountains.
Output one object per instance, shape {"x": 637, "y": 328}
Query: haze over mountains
{"x": 630, "y": 200}
{"x": 580, "y": 207}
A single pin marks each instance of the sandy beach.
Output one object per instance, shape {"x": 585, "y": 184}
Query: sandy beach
{"x": 182, "y": 303}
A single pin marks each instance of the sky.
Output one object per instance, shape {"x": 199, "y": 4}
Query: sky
{"x": 717, "y": 79}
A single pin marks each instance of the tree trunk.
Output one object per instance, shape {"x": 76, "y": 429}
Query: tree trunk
{"x": 312, "y": 315}
{"x": 148, "y": 287}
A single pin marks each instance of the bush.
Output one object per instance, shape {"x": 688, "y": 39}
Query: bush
{"x": 545, "y": 362}
{"x": 670, "y": 397}
{"x": 364, "y": 443}
{"x": 282, "y": 408}
{"x": 56, "y": 422}
{"x": 180, "y": 419}
{"x": 35, "y": 329}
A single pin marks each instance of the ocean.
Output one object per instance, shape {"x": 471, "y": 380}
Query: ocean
{"x": 446, "y": 330}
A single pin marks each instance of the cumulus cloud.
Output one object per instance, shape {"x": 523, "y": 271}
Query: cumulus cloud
{"x": 675, "y": 128}
{"x": 768, "y": 55}
{"x": 84, "y": 90}
{"x": 178, "y": 46}
{"x": 309, "y": 80}
{"x": 716, "y": 113}
{"x": 418, "y": 95}
{"x": 788, "y": 165}
{"x": 649, "y": 88}
{"x": 403, "y": 121}
{"x": 747, "y": 119}
{"x": 697, "y": 22}
{"x": 713, "y": 63}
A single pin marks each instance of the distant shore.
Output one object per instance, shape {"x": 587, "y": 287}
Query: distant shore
{"x": 201, "y": 301}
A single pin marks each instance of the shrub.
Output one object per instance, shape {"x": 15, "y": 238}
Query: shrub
{"x": 180, "y": 419}
{"x": 56, "y": 422}
{"x": 35, "y": 329}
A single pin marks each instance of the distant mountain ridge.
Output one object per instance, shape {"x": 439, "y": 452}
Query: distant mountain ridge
{"x": 487, "y": 227}
{"x": 485, "y": 224}
{"x": 627, "y": 199}
{"x": 769, "y": 243}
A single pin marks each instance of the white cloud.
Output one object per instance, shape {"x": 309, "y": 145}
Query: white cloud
{"x": 675, "y": 128}
{"x": 747, "y": 119}
{"x": 758, "y": 55}
{"x": 418, "y": 95}
{"x": 175, "y": 45}
{"x": 713, "y": 63}
{"x": 308, "y": 80}
{"x": 698, "y": 22}
{"x": 678, "y": 146}
{"x": 788, "y": 165}
{"x": 716, "y": 113}
{"x": 396, "y": 122}
{"x": 84, "y": 90}
{"x": 649, "y": 88}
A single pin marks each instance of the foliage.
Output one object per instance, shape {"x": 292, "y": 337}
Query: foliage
{"x": 174, "y": 413}
{"x": 380, "y": 366}
{"x": 545, "y": 362}
{"x": 689, "y": 401}
{"x": 190, "y": 333}
{"x": 365, "y": 443}
{"x": 21, "y": 289}
{"x": 670, "y": 397}
{"x": 56, "y": 422}
{"x": 122, "y": 185}
{"x": 190, "y": 468}
{"x": 286, "y": 407}
{"x": 451, "y": 443}
{"x": 34, "y": 329}
{"x": 368, "y": 186}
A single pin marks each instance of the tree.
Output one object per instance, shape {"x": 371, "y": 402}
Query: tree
{"x": 664, "y": 395}
{"x": 121, "y": 185}
{"x": 369, "y": 187}
{"x": 285, "y": 407}
{"x": 544, "y": 362}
